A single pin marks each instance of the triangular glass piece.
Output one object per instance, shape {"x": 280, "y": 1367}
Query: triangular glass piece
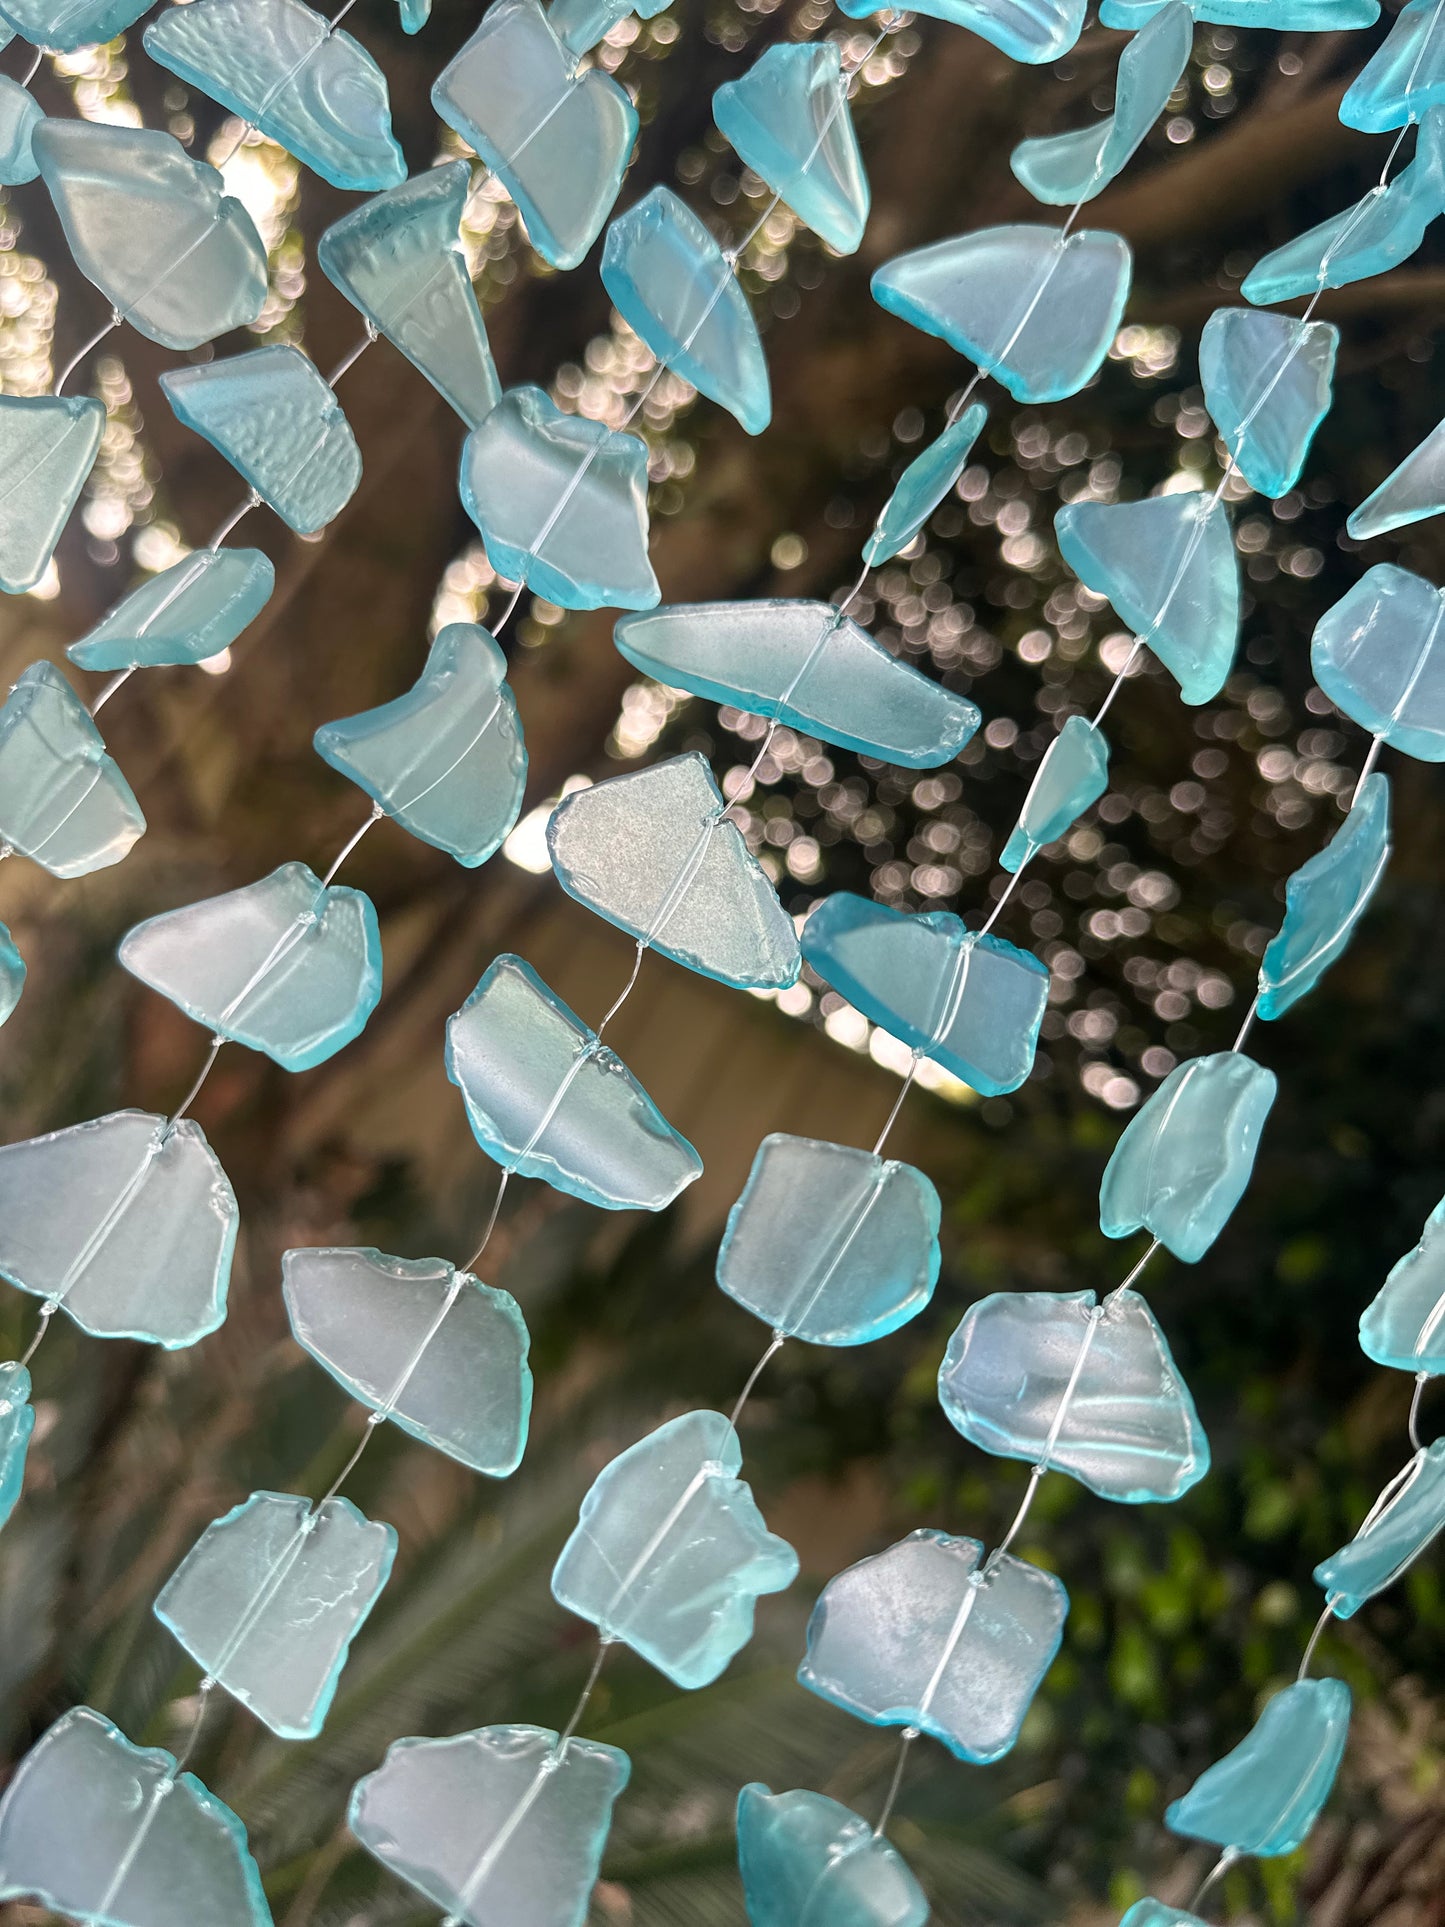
{"x": 1379, "y": 655}
{"x": 970, "y": 1002}
{"x": 1325, "y": 899}
{"x": 1033, "y": 308}
{"x": 923, "y": 485}
{"x": 400, "y": 259}
{"x": 804, "y": 664}
{"x": 1263, "y": 1798}
{"x": 1403, "y": 78}
{"x": 671, "y": 1553}
{"x": 63, "y": 800}
{"x": 788, "y": 120}
{"x": 1404, "y": 1326}
{"x": 446, "y": 759}
{"x": 17, "y": 1422}
{"x": 1266, "y": 381}
{"x": 20, "y": 115}
{"x": 12, "y": 974}
{"x": 1074, "y": 773}
{"x": 188, "y": 613}
{"x": 1167, "y": 564}
{"x": 806, "y": 1858}
{"x": 371, "y": 1320}
{"x": 653, "y": 853}
{"x": 581, "y": 24}
{"x": 1280, "y": 16}
{"x": 287, "y": 71}
{"x": 1407, "y": 1516}
{"x": 276, "y": 420}
{"x": 287, "y": 966}
{"x": 1033, "y": 31}
{"x": 48, "y": 446}
{"x": 671, "y": 284}
{"x": 1410, "y": 493}
{"x": 65, "y": 26}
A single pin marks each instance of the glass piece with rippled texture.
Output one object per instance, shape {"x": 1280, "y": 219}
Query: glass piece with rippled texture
{"x": 17, "y": 1422}
{"x": 1281, "y": 16}
{"x": 1404, "y": 1326}
{"x": 1266, "y": 380}
{"x": 64, "y": 26}
{"x": 63, "y": 800}
{"x": 1379, "y": 655}
{"x": 788, "y": 120}
{"x": 1073, "y": 775}
{"x": 1325, "y": 899}
{"x": 807, "y": 1861}
{"x": 1401, "y": 1524}
{"x": 188, "y": 613}
{"x": 1412, "y": 492}
{"x": 928, "y": 478}
{"x": 48, "y": 446}
{"x": 1033, "y": 31}
{"x": 12, "y": 974}
{"x": 20, "y": 115}
{"x": 1263, "y": 1798}
{"x": 1403, "y": 78}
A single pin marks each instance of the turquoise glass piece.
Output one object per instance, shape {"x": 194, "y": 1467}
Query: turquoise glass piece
{"x": 399, "y": 258}
{"x": 276, "y": 420}
{"x": 63, "y": 800}
{"x": 1263, "y": 1798}
{"x": 429, "y": 1347}
{"x": 788, "y": 120}
{"x": 270, "y": 1597}
{"x": 12, "y": 974}
{"x": 807, "y": 1861}
{"x": 1282, "y": 16}
{"x": 414, "y": 14}
{"x": 1092, "y": 1390}
{"x": 1325, "y": 899}
{"x": 1412, "y": 492}
{"x": 1066, "y": 169}
{"x": 1073, "y": 775}
{"x": 1033, "y": 308}
{"x": 112, "y": 1835}
{"x": 1404, "y": 1520}
{"x": 48, "y": 446}
{"x": 972, "y": 1003}
{"x": 1266, "y": 381}
{"x": 1403, "y": 78}
{"x": 64, "y": 26}
{"x": 580, "y": 24}
{"x": 1154, "y": 1913}
{"x": 1167, "y": 564}
{"x": 20, "y": 115}
{"x": 502, "y": 1827}
{"x": 287, "y": 966}
{"x": 652, "y": 852}
{"x": 17, "y": 1422}
{"x": 1185, "y": 1156}
{"x": 671, "y": 1554}
{"x": 928, "y": 478}
{"x": 671, "y": 284}
{"x": 561, "y": 502}
{"x": 929, "y": 1634}
{"x": 1379, "y": 655}
{"x": 1033, "y": 31}
{"x": 1404, "y": 1326}
{"x": 547, "y": 1100}
{"x": 804, "y": 664}
{"x": 289, "y": 72}
{"x": 188, "y": 613}
{"x": 558, "y": 140}
{"x": 831, "y": 1244}
{"x": 446, "y": 759}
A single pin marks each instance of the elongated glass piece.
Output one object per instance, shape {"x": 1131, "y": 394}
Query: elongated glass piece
{"x": 20, "y": 115}
{"x": 918, "y": 491}
{"x": 1412, "y": 492}
{"x": 1325, "y": 899}
{"x": 48, "y": 446}
{"x": 1379, "y": 655}
{"x": 807, "y": 1861}
{"x": 188, "y": 613}
{"x": 1401, "y": 1524}
{"x": 1263, "y": 1798}
{"x": 64, "y": 26}
{"x": 1267, "y": 384}
{"x": 12, "y": 974}
{"x": 1404, "y": 78}
{"x": 1404, "y": 1326}
{"x": 63, "y": 800}
{"x": 17, "y": 1422}
{"x": 1033, "y": 31}
{"x": 1282, "y": 16}
{"x": 414, "y": 14}
{"x": 1073, "y": 775}
{"x": 788, "y": 120}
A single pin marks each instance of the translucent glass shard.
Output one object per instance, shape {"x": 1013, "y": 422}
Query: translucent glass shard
{"x": 1404, "y": 1326}
{"x": 1410, "y": 493}
{"x": 63, "y": 800}
{"x": 788, "y": 120}
{"x": 1267, "y": 383}
{"x": 807, "y": 1861}
{"x": 67, "y": 25}
{"x": 1404, "y": 77}
{"x": 1283, "y": 16}
{"x": 1401, "y": 1524}
{"x": 414, "y": 14}
{"x": 20, "y": 115}
{"x": 928, "y": 478}
{"x": 17, "y": 1422}
{"x": 1263, "y": 1798}
{"x": 1325, "y": 899}
{"x": 188, "y": 613}
{"x": 12, "y": 974}
{"x": 1029, "y": 30}
{"x": 1073, "y": 775}
{"x": 1379, "y": 655}
{"x": 48, "y": 446}
{"x": 1154, "y": 1913}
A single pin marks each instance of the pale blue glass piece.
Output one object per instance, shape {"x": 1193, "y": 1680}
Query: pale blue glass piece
{"x": 807, "y": 1861}
{"x": 1073, "y": 775}
{"x": 1154, "y": 1913}
{"x": 188, "y": 613}
{"x": 12, "y": 974}
{"x": 1392, "y": 1537}
{"x": 930, "y": 1634}
{"x": 1266, "y": 380}
{"x": 558, "y": 140}
{"x": 1263, "y": 1798}
{"x": 1410, "y": 493}
{"x": 580, "y": 24}
{"x": 1033, "y": 31}
{"x": 64, "y": 26}
{"x": 922, "y": 486}
{"x": 1404, "y": 78}
{"x": 63, "y": 800}
{"x": 446, "y": 759}
{"x": 671, "y": 284}
{"x": 1404, "y": 1325}
{"x": 287, "y": 966}
{"x": 414, "y": 14}
{"x": 547, "y": 1100}
{"x": 48, "y": 446}
{"x": 652, "y": 852}
{"x": 1325, "y": 899}
{"x": 270, "y": 1597}
{"x": 1167, "y": 564}
{"x": 1185, "y": 1156}
{"x": 17, "y": 1422}
{"x": 502, "y": 1827}
{"x": 427, "y": 1346}
{"x": 671, "y": 1553}
{"x": 1066, "y": 169}
{"x": 1282, "y": 16}
{"x": 1035, "y": 309}
{"x": 972, "y": 1003}
{"x": 277, "y": 421}
{"x": 831, "y": 1244}
{"x": 20, "y": 115}
{"x": 399, "y": 258}
{"x": 1379, "y": 655}
{"x": 284, "y": 69}
{"x": 788, "y": 120}
{"x": 1092, "y": 1390}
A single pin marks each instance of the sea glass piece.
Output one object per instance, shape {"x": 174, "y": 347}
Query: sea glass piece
{"x": 1325, "y": 899}
{"x": 1154, "y": 1913}
{"x": 807, "y": 1861}
{"x": 804, "y": 664}
{"x": 1185, "y": 1157}
{"x": 831, "y": 1244}
{"x": 1412, "y": 492}
{"x": 502, "y": 1827}
{"x": 1405, "y": 1519}
{"x": 276, "y": 420}
{"x": 1066, "y": 169}
{"x": 928, "y": 478}
{"x": 446, "y": 759}
{"x": 188, "y": 613}
{"x": 64, "y": 26}
{"x": 1403, "y": 78}
{"x": 1377, "y": 654}
{"x": 1282, "y": 16}
{"x": 287, "y": 966}
{"x": 48, "y": 446}
{"x": 414, "y": 14}
{"x": 429, "y": 1347}
{"x": 290, "y": 73}
{"x": 558, "y": 140}
{"x": 547, "y": 1100}
{"x": 111, "y": 1834}
{"x": 1167, "y": 564}
{"x": 652, "y": 852}
{"x": 399, "y": 258}
{"x": 12, "y": 974}
{"x": 1034, "y": 309}
{"x": 1404, "y": 1325}
{"x": 972, "y": 1003}
{"x": 929, "y": 1634}
{"x": 17, "y": 1422}
{"x": 788, "y": 120}
{"x": 1266, "y": 381}
{"x": 270, "y": 1597}
{"x": 1092, "y": 1390}
{"x": 20, "y": 115}
{"x": 669, "y": 281}
{"x": 1263, "y": 1798}
{"x": 1073, "y": 775}
{"x": 1029, "y": 30}
{"x": 63, "y": 800}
